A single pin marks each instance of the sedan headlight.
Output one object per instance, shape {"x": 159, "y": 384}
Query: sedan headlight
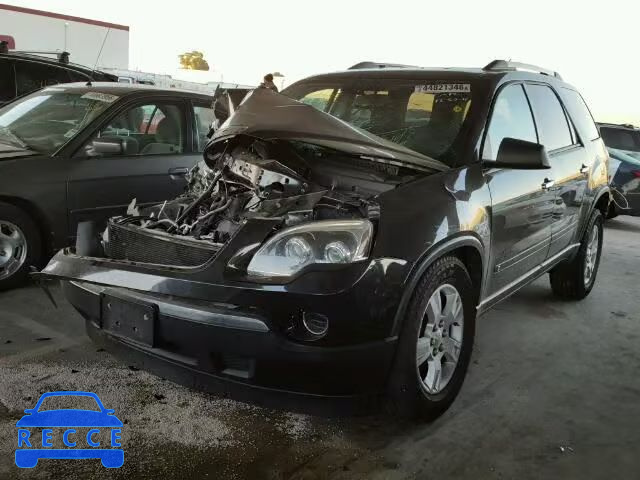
{"x": 325, "y": 241}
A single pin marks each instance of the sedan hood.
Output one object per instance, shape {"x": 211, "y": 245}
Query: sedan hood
{"x": 269, "y": 115}
{"x": 11, "y": 151}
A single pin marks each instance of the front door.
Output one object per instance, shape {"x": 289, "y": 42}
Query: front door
{"x": 569, "y": 163}
{"x": 522, "y": 200}
{"x": 154, "y": 157}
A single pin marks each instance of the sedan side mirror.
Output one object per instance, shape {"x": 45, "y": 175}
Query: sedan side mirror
{"x": 521, "y": 154}
{"x": 107, "y": 146}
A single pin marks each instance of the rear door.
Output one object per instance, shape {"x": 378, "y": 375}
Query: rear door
{"x": 569, "y": 161}
{"x": 522, "y": 203}
{"x": 157, "y": 138}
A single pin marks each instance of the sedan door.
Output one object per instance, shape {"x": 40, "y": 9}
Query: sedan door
{"x": 569, "y": 161}
{"x": 522, "y": 202}
{"x": 144, "y": 152}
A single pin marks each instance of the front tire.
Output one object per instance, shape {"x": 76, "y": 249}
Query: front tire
{"x": 20, "y": 245}
{"x": 575, "y": 279}
{"x": 435, "y": 343}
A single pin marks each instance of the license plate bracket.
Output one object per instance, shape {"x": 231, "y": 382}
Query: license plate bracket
{"x": 129, "y": 318}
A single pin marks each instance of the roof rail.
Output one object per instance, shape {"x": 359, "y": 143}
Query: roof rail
{"x": 367, "y": 64}
{"x": 514, "y": 66}
{"x": 63, "y": 57}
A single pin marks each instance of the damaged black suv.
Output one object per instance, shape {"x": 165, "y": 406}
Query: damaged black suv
{"x": 340, "y": 239}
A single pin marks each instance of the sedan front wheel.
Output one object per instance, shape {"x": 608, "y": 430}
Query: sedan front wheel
{"x": 20, "y": 245}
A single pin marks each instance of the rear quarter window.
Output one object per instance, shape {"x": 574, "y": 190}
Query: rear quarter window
{"x": 580, "y": 114}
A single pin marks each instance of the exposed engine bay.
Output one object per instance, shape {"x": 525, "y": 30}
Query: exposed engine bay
{"x": 244, "y": 178}
{"x": 274, "y": 158}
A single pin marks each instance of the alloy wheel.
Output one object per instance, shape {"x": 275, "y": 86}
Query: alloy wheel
{"x": 591, "y": 257}
{"x": 13, "y": 249}
{"x": 440, "y": 339}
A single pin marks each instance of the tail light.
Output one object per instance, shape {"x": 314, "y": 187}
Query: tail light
{"x": 635, "y": 173}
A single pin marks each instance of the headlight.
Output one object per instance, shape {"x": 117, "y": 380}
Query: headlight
{"x": 326, "y": 241}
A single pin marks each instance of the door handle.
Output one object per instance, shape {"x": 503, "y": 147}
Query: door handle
{"x": 178, "y": 171}
{"x": 547, "y": 184}
{"x": 584, "y": 168}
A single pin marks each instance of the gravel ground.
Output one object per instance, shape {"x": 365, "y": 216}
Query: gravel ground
{"x": 553, "y": 392}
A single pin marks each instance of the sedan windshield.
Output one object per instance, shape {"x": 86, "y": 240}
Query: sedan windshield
{"x": 46, "y": 120}
{"x": 425, "y": 116}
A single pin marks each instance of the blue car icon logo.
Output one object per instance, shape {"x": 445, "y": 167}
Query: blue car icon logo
{"x": 32, "y": 446}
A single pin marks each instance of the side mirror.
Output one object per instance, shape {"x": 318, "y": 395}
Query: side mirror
{"x": 107, "y": 146}
{"x": 520, "y": 154}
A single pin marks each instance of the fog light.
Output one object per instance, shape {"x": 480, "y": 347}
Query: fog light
{"x": 315, "y": 323}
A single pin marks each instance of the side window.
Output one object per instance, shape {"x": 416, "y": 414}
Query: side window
{"x": 149, "y": 129}
{"x": 31, "y": 76}
{"x": 77, "y": 76}
{"x": 319, "y": 99}
{"x": 204, "y": 119}
{"x": 553, "y": 126}
{"x": 580, "y": 113}
{"x": 7, "y": 81}
{"x": 511, "y": 118}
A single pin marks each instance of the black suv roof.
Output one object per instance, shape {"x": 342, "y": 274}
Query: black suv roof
{"x": 492, "y": 71}
{"x": 60, "y": 62}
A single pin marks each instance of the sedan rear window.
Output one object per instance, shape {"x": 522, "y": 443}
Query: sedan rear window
{"x": 426, "y": 117}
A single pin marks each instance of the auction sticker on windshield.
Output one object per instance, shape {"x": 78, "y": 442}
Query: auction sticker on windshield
{"x": 100, "y": 97}
{"x": 444, "y": 88}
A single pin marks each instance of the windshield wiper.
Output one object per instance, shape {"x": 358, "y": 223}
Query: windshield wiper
{"x": 13, "y": 138}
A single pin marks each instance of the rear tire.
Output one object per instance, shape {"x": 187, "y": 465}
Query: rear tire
{"x": 18, "y": 233}
{"x": 574, "y": 280}
{"x": 412, "y": 393}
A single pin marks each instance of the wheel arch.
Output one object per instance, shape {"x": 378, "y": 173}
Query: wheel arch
{"x": 603, "y": 200}
{"x": 40, "y": 219}
{"x": 466, "y": 246}
{"x": 600, "y": 202}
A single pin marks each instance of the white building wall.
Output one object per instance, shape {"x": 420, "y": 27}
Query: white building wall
{"x": 83, "y": 40}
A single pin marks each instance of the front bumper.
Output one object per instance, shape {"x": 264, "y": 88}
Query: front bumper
{"x": 233, "y": 351}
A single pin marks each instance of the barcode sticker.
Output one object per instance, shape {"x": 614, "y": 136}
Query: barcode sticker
{"x": 444, "y": 88}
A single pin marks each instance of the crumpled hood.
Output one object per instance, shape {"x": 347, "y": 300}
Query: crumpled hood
{"x": 269, "y": 115}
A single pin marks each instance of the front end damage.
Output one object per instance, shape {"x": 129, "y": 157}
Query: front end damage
{"x": 264, "y": 275}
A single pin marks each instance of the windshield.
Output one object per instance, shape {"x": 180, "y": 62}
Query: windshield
{"x": 425, "y": 116}
{"x": 46, "y": 120}
{"x": 621, "y": 139}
